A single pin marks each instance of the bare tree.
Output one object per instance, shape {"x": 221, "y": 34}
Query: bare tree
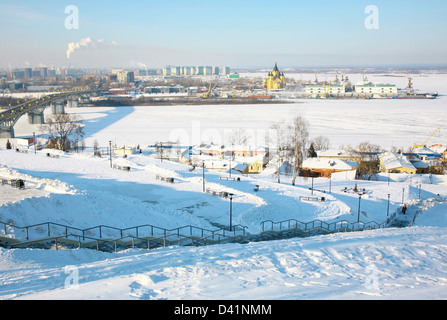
{"x": 238, "y": 137}
{"x": 63, "y": 129}
{"x": 367, "y": 157}
{"x": 277, "y": 138}
{"x": 298, "y": 140}
{"x": 320, "y": 143}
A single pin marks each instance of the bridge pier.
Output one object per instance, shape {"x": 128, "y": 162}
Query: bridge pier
{"x": 73, "y": 103}
{"x": 36, "y": 116}
{"x": 57, "y": 107}
{"x": 6, "y": 132}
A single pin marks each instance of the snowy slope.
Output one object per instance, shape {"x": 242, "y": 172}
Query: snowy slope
{"x": 83, "y": 191}
{"x": 385, "y": 264}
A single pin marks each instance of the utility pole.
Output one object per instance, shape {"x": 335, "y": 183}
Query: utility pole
{"x": 231, "y": 210}
{"x": 388, "y": 207}
{"x": 110, "y": 154}
{"x": 35, "y": 142}
{"x": 358, "y": 214}
{"x": 203, "y": 173}
{"x": 312, "y": 192}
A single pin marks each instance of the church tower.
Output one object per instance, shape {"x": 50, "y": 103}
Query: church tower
{"x": 275, "y": 79}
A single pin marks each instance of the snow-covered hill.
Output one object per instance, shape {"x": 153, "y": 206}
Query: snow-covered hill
{"x": 83, "y": 191}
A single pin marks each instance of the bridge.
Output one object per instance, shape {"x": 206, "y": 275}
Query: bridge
{"x": 35, "y": 108}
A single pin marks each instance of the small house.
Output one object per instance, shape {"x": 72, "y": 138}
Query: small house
{"x": 323, "y": 167}
{"x": 249, "y": 168}
{"x": 396, "y": 163}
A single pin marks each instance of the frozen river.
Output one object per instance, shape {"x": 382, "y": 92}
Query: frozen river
{"x": 386, "y": 122}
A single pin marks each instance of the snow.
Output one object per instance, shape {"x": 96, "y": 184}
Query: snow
{"x": 83, "y": 191}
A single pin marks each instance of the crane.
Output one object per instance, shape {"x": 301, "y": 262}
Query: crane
{"x": 428, "y": 139}
{"x": 208, "y": 93}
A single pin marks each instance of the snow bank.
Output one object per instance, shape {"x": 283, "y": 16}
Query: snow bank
{"x": 381, "y": 264}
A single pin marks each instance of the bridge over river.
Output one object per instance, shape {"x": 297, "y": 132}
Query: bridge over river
{"x": 35, "y": 108}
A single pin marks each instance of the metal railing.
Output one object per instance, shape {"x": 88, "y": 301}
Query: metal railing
{"x": 148, "y": 236}
{"x": 322, "y": 226}
{"x": 154, "y": 236}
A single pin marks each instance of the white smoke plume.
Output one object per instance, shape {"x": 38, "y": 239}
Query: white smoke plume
{"x": 89, "y": 43}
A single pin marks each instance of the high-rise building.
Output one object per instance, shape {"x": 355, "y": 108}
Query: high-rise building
{"x": 225, "y": 71}
{"x": 200, "y": 71}
{"x": 126, "y": 76}
{"x": 208, "y": 70}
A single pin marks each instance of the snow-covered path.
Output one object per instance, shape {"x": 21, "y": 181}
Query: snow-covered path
{"x": 383, "y": 264}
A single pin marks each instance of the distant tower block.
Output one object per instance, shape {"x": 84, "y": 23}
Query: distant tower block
{"x": 57, "y": 107}
{"x": 6, "y": 132}
{"x": 36, "y": 116}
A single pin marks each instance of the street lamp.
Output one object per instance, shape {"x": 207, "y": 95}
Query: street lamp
{"x": 330, "y": 182}
{"x": 420, "y": 191}
{"x": 35, "y": 142}
{"x": 388, "y": 207}
{"x": 110, "y": 154}
{"x": 231, "y": 209}
{"x": 312, "y": 192}
{"x": 161, "y": 151}
{"x": 203, "y": 173}
{"x": 358, "y": 214}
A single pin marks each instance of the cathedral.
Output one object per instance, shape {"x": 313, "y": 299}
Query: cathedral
{"x": 275, "y": 80}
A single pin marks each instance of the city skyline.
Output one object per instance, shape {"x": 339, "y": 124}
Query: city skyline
{"x": 151, "y": 34}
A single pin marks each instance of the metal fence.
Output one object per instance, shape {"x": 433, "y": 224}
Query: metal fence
{"x": 103, "y": 236}
{"x": 109, "y": 238}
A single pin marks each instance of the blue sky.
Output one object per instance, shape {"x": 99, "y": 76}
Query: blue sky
{"x": 234, "y": 33}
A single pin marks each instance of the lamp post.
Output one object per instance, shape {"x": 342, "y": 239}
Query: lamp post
{"x": 35, "y": 142}
{"x": 358, "y": 214}
{"x": 231, "y": 210}
{"x": 388, "y": 207}
{"x": 203, "y": 173}
{"x": 420, "y": 191}
{"x": 330, "y": 182}
{"x": 110, "y": 154}
{"x": 231, "y": 156}
{"x": 312, "y": 190}
{"x": 161, "y": 151}
{"x": 403, "y": 193}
